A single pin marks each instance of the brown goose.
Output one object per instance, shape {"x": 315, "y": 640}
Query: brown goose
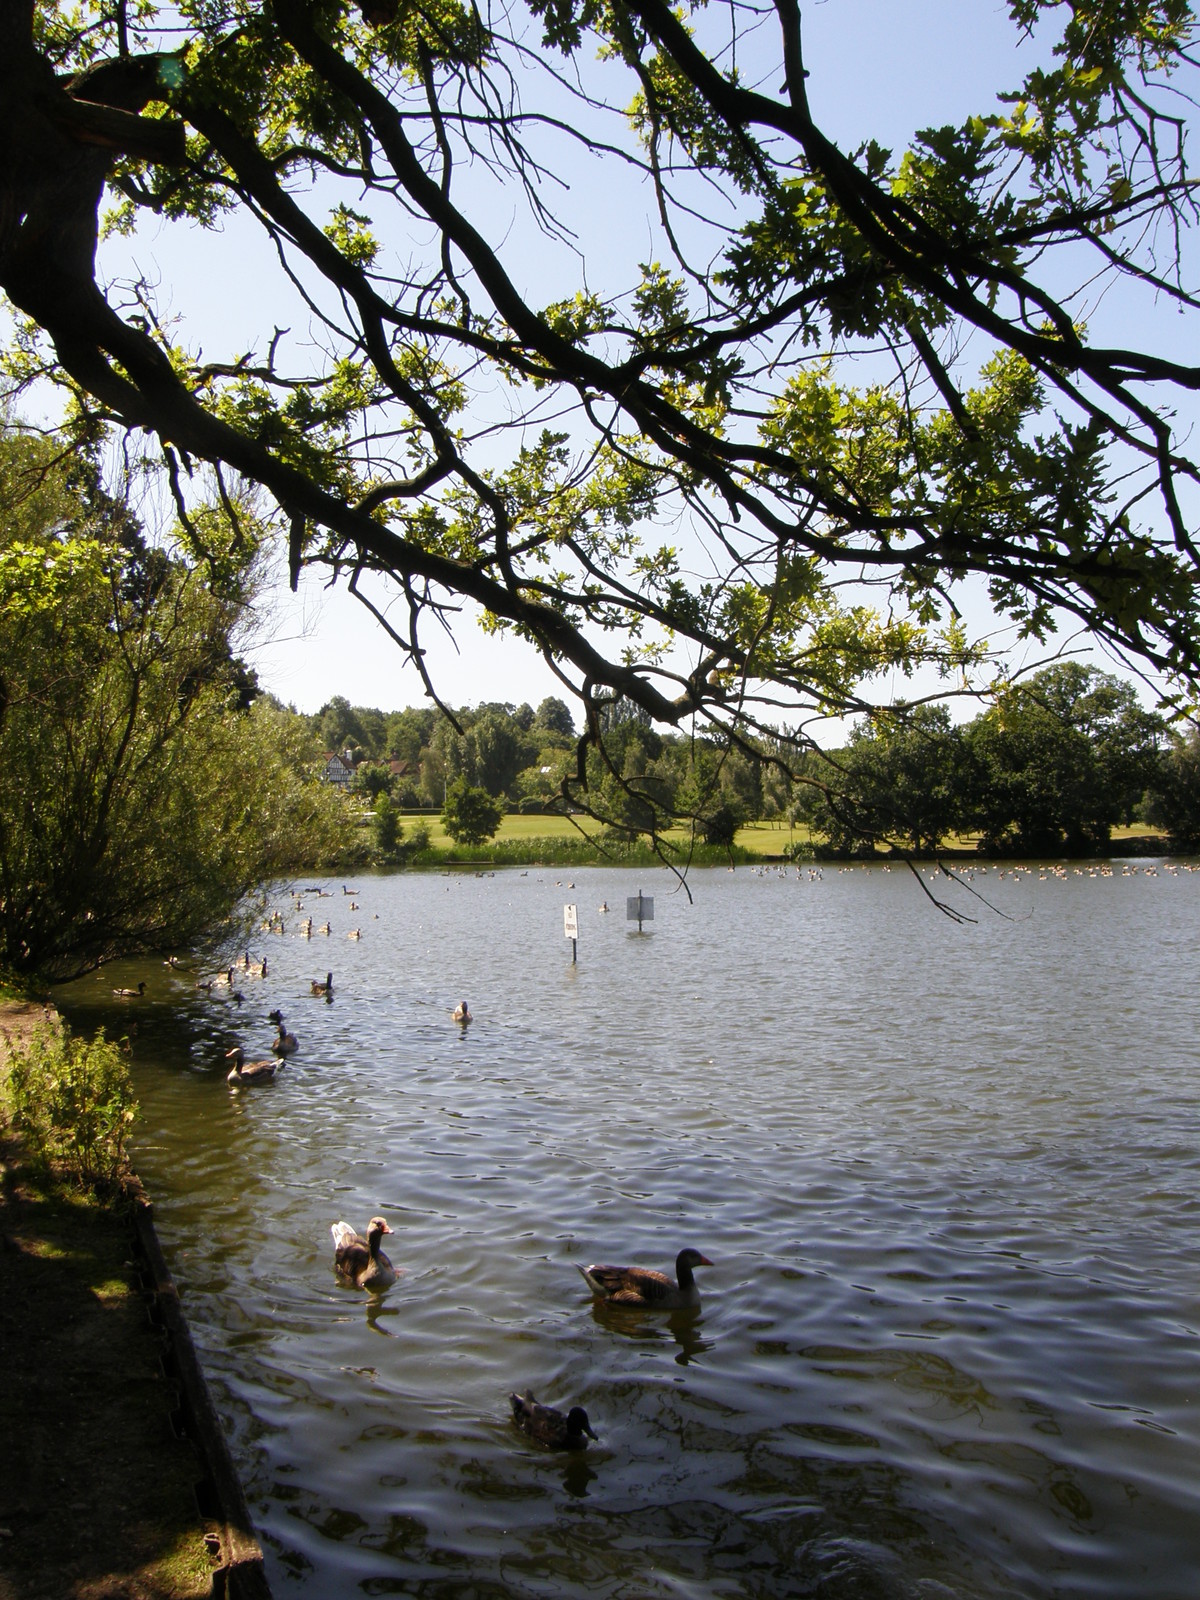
{"x": 641, "y": 1286}
{"x": 286, "y": 1043}
{"x": 551, "y": 1427}
{"x": 361, "y": 1262}
{"x": 247, "y": 1073}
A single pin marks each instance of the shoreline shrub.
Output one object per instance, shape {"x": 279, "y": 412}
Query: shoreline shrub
{"x": 71, "y": 1100}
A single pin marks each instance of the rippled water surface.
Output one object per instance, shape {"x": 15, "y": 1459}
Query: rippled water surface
{"x": 947, "y": 1175}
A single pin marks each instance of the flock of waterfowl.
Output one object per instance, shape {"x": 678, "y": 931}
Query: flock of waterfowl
{"x": 360, "y": 1264}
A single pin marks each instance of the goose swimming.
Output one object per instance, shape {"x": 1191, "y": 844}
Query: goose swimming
{"x": 360, "y": 1261}
{"x": 642, "y": 1286}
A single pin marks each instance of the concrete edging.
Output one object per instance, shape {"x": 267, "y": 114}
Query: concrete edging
{"x": 240, "y": 1575}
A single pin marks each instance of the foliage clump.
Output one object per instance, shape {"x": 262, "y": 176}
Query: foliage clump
{"x": 470, "y": 814}
{"x": 72, "y": 1102}
{"x": 144, "y": 789}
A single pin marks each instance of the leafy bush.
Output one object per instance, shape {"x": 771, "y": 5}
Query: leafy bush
{"x": 470, "y": 815}
{"x": 720, "y": 826}
{"x": 72, "y": 1102}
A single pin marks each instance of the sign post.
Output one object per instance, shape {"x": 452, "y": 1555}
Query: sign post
{"x": 639, "y": 908}
{"x": 571, "y": 929}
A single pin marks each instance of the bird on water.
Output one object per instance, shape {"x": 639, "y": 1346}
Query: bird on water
{"x": 642, "y": 1286}
{"x": 360, "y": 1262}
{"x": 550, "y": 1427}
{"x": 245, "y": 1073}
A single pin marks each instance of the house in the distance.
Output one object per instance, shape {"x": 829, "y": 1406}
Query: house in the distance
{"x": 338, "y": 769}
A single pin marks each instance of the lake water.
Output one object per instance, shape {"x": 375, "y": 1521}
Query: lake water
{"x": 948, "y": 1176}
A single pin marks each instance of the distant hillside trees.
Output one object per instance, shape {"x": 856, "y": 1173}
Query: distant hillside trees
{"x": 1052, "y": 766}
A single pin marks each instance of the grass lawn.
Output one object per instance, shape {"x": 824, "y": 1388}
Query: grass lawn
{"x": 760, "y": 838}
{"x": 756, "y": 838}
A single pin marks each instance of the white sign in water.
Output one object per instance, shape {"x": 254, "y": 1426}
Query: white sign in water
{"x": 639, "y": 907}
{"x": 570, "y": 922}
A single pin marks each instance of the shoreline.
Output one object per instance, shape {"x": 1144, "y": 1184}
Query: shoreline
{"x": 117, "y": 1479}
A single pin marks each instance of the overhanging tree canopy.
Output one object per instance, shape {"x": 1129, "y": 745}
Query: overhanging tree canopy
{"x": 664, "y": 482}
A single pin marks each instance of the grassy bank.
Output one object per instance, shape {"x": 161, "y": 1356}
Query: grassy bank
{"x": 97, "y": 1493}
{"x": 544, "y": 840}
{"x": 548, "y": 840}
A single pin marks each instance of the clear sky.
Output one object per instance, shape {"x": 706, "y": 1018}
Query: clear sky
{"x": 878, "y": 68}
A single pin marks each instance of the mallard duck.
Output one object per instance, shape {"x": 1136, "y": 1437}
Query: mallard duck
{"x": 360, "y": 1261}
{"x": 462, "y": 1013}
{"x": 641, "y": 1286}
{"x": 323, "y": 988}
{"x": 246, "y": 1073}
{"x": 131, "y": 994}
{"x": 551, "y": 1427}
{"x": 286, "y": 1043}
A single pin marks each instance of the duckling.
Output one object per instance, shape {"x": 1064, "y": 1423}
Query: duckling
{"x": 462, "y": 1013}
{"x": 286, "y": 1043}
{"x": 245, "y": 1073}
{"x": 131, "y": 994}
{"x": 551, "y": 1427}
{"x": 641, "y": 1286}
{"x": 360, "y": 1262}
{"x": 323, "y": 988}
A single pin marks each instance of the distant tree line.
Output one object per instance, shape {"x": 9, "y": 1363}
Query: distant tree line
{"x": 1051, "y": 767}
{"x": 1058, "y": 761}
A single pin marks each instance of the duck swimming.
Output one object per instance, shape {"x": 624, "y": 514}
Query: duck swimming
{"x": 131, "y": 994}
{"x": 245, "y": 1073}
{"x": 361, "y": 1262}
{"x": 286, "y": 1043}
{"x": 462, "y": 1013}
{"x": 641, "y": 1286}
{"x": 551, "y": 1427}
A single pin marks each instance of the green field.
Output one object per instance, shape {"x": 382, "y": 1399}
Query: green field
{"x": 759, "y": 838}
{"x": 762, "y": 839}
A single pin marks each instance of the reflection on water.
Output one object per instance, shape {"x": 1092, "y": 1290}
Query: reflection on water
{"x": 683, "y": 1326}
{"x": 948, "y": 1176}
